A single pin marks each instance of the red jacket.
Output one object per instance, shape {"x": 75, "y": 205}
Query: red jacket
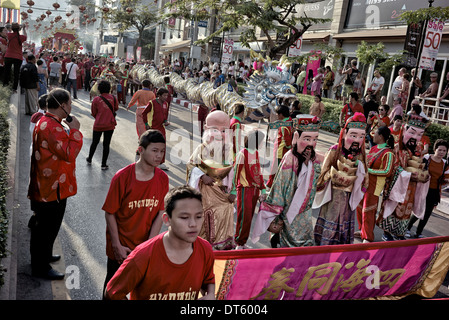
{"x": 155, "y": 114}
{"x": 104, "y": 118}
{"x": 53, "y": 160}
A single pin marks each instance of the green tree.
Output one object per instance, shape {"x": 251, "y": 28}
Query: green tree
{"x": 131, "y": 16}
{"x": 272, "y": 17}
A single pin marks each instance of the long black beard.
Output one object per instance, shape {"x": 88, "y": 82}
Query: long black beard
{"x": 301, "y": 158}
{"x": 354, "y": 150}
{"x": 411, "y": 147}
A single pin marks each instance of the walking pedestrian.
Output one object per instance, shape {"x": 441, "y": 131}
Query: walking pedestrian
{"x": 141, "y": 98}
{"x": 135, "y": 202}
{"x": 248, "y": 185}
{"x": 71, "y": 77}
{"x": 155, "y": 115}
{"x": 380, "y": 161}
{"x": 14, "y": 55}
{"x": 174, "y": 265}
{"x": 29, "y": 81}
{"x": 103, "y": 109}
{"x": 56, "y": 145}
{"x": 437, "y": 167}
{"x": 43, "y": 76}
{"x": 55, "y": 73}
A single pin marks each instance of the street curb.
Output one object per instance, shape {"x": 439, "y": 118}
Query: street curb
{"x": 8, "y": 290}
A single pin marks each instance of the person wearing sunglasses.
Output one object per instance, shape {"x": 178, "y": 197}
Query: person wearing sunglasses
{"x": 377, "y": 120}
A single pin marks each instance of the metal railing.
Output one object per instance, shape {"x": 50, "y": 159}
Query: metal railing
{"x": 437, "y": 111}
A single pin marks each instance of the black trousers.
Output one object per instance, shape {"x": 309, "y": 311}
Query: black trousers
{"x": 432, "y": 199}
{"x": 111, "y": 268}
{"x": 106, "y": 142}
{"x": 9, "y": 63}
{"x": 48, "y": 221}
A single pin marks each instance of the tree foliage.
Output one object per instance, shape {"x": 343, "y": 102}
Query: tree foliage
{"x": 271, "y": 17}
{"x": 424, "y": 14}
{"x": 133, "y": 15}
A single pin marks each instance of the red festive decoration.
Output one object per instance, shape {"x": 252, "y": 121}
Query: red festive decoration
{"x": 43, "y": 16}
{"x": 56, "y": 5}
{"x": 94, "y": 19}
{"x": 48, "y": 12}
{"x": 68, "y": 14}
{"x": 105, "y": 9}
{"x": 129, "y": 10}
{"x": 30, "y": 3}
{"x": 30, "y": 11}
{"x": 82, "y": 8}
{"x": 86, "y": 16}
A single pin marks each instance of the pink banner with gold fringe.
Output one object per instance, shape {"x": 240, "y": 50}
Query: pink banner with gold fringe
{"x": 384, "y": 270}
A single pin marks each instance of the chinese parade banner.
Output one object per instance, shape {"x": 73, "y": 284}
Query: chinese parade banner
{"x": 384, "y": 270}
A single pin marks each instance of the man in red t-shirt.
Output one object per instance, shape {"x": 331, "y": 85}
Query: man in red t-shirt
{"x": 175, "y": 265}
{"x": 135, "y": 202}
{"x": 350, "y": 108}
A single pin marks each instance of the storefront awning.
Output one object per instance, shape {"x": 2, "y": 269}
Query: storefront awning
{"x": 183, "y": 46}
{"x": 398, "y": 32}
{"x": 378, "y": 33}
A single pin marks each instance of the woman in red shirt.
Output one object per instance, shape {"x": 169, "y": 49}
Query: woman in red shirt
{"x": 437, "y": 167}
{"x": 103, "y": 109}
{"x": 14, "y": 55}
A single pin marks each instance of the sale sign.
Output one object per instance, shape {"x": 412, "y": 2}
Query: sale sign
{"x": 295, "y": 48}
{"x": 228, "y": 49}
{"x": 432, "y": 41}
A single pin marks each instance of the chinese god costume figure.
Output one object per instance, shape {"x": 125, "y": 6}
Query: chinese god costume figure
{"x": 209, "y": 171}
{"x": 293, "y": 190}
{"x": 406, "y": 193}
{"x": 342, "y": 184}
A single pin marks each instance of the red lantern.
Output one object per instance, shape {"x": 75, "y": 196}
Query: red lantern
{"x": 68, "y": 14}
{"x": 30, "y": 11}
{"x": 43, "y": 16}
{"x": 30, "y": 3}
{"x": 82, "y": 8}
{"x": 48, "y": 12}
{"x": 81, "y": 48}
{"x": 94, "y": 19}
{"x": 86, "y": 16}
{"x": 105, "y": 9}
{"x": 56, "y": 5}
{"x": 58, "y": 18}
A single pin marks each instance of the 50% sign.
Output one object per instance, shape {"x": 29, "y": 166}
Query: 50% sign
{"x": 432, "y": 43}
{"x": 228, "y": 50}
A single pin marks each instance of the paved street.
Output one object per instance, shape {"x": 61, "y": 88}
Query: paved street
{"x": 81, "y": 241}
